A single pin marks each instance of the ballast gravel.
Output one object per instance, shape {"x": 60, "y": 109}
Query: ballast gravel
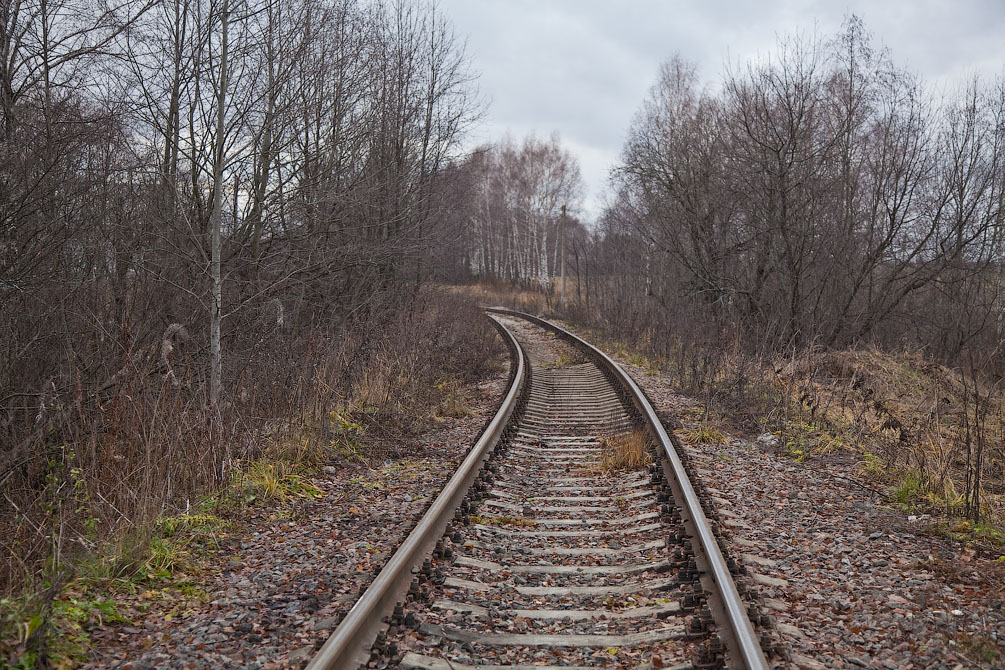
{"x": 852, "y": 581}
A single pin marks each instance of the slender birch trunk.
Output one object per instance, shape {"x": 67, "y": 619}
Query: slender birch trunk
{"x": 215, "y": 307}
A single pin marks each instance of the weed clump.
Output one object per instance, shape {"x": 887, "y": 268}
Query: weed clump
{"x": 275, "y": 480}
{"x": 452, "y": 403}
{"x": 626, "y": 452}
{"x": 704, "y": 433}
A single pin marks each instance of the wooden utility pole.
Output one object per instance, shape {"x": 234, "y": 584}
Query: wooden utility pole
{"x": 561, "y": 230}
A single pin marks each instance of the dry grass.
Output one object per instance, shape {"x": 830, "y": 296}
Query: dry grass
{"x": 492, "y": 294}
{"x": 453, "y": 404}
{"x": 625, "y": 453}
{"x": 276, "y": 480}
{"x": 703, "y": 433}
{"x": 911, "y": 416}
{"x": 568, "y": 357}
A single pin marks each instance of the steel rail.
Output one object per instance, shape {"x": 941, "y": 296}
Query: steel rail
{"x": 739, "y": 630}
{"x": 349, "y": 645}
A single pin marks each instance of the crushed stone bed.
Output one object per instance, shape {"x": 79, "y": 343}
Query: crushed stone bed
{"x": 852, "y": 583}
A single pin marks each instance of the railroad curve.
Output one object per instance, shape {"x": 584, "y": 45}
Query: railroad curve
{"x": 546, "y": 553}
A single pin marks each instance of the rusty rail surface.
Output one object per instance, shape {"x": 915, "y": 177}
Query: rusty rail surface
{"x": 736, "y": 630}
{"x": 349, "y": 644}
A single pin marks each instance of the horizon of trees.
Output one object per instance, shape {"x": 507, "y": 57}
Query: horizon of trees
{"x": 523, "y": 198}
{"x": 824, "y": 197}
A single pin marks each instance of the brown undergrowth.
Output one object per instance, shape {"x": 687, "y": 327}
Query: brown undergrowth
{"x": 111, "y": 488}
{"x": 496, "y": 294}
{"x": 935, "y": 434}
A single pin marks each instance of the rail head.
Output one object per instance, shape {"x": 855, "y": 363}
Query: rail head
{"x": 349, "y": 645}
{"x": 746, "y": 643}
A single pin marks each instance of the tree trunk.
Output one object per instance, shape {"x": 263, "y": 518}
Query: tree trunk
{"x": 215, "y": 307}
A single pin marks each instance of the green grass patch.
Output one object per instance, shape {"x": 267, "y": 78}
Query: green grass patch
{"x": 965, "y": 530}
{"x": 452, "y": 402}
{"x": 263, "y": 480}
{"x": 51, "y": 626}
{"x": 57, "y": 631}
{"x": 979, "y": 647}
{"x": 801, "y": 440}
{"x": 563, "y": 360}
{"x": 909, "y": 491}
{"x": 871, "y": 464}
{"x": 651, "y": 366}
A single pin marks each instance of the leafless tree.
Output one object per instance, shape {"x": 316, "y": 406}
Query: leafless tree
{"x": 822, "y": 196}
{"x": 519, "y": 194}
{"x": 193, "y": 192}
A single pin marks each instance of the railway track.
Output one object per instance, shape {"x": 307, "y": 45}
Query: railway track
{"x": 543, "y": 552}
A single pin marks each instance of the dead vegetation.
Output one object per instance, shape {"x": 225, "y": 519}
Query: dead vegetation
{"x": 625, "y": 452}
{"x": 497, "y": 293}
{"x": 932, "y": 434}
{"x": 935, "y": 433}
{"x": 102, "y": 470}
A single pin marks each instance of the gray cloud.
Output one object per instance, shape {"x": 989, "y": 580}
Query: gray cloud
{"x": 583, "y": 67}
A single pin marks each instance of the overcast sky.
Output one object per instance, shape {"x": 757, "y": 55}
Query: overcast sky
{"x": 583, "y": 67}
